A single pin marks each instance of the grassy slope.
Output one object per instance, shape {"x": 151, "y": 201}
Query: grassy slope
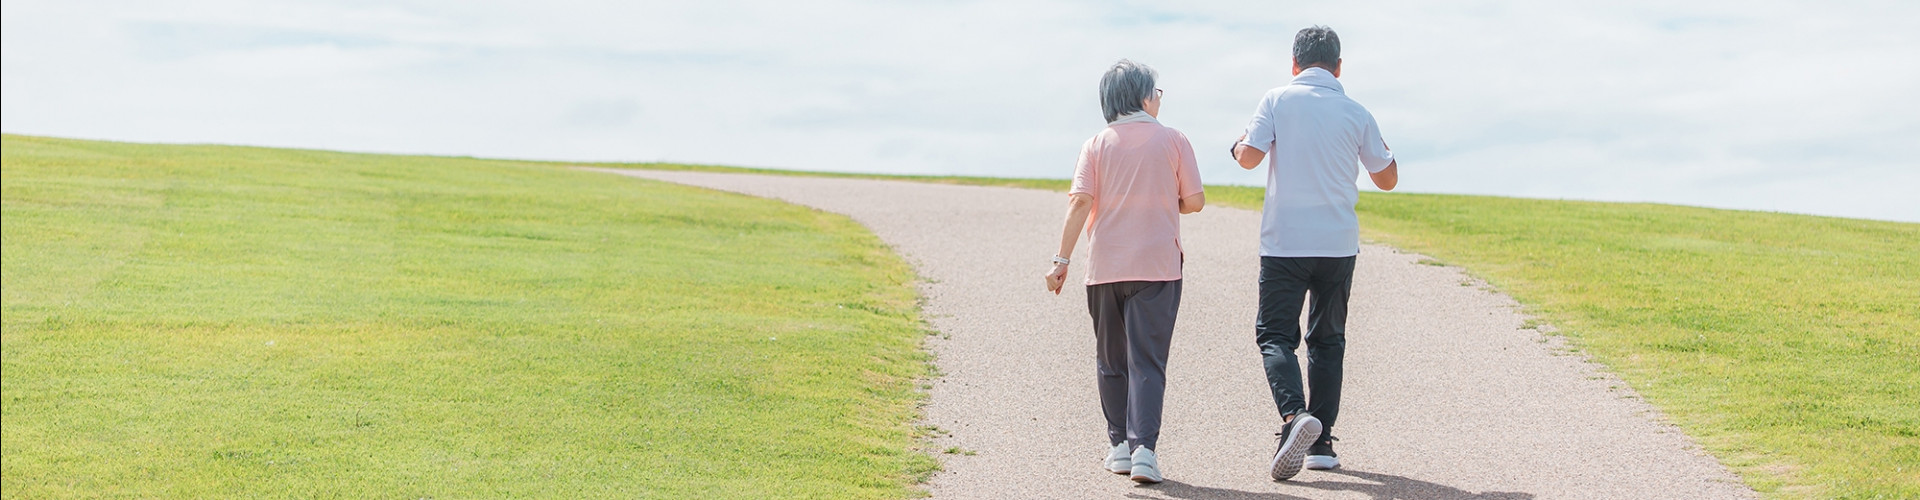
{"x": 202, "y": 321}
{"x": 1785, "y": 344}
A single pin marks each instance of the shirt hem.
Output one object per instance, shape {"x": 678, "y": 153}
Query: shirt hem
{"x": 1311, "y": 254}
{"x": 1132, "y": 278}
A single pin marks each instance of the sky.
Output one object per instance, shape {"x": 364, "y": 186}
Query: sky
{"x": 1805, "y": 107}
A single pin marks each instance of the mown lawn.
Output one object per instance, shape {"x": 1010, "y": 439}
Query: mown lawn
{"x": 205, "y": 321}
{"x": 1787, "y": 345}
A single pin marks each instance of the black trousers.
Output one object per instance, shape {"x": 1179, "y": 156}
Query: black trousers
{"x": 1133, "y": 330}
{"x": 1285, "y": 284}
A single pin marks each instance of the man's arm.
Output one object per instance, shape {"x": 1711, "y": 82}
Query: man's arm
{"x": 1388, "y": 177}
{"x": 1078, "y": 206}
{"x": 1260, "y": 130}
{"x": 1248, "y": 156}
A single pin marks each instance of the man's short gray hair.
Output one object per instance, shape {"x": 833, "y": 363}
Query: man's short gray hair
{"x": 1124, "y": 86}
{"x": 1316, "y": 46}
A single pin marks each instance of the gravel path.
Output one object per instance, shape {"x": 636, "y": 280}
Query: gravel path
{"x": 1447, "y": 397}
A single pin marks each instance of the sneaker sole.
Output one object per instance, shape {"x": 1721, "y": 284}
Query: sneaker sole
{"x": 1287, "y": 460}
{"x": 1128, "y": 470}
{"x": 1313, "y": 462}
{"x": 1145, "y": 479}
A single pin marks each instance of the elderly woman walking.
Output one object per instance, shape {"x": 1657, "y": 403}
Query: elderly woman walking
{"x": 1133, "y": 181}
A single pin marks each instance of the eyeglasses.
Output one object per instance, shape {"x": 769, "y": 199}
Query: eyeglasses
{"x": 1157, "y": 93}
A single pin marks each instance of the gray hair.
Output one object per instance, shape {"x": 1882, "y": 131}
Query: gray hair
{"x": 1124, "y": 86}
{"x": 1316, "y": 46}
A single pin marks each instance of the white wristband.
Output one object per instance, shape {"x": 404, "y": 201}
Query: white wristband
{"x": 1061, "y": 260}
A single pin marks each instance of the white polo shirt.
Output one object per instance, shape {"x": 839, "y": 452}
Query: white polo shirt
{"x": 1314, "y": 137}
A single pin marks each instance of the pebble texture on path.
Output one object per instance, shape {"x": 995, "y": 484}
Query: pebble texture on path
{"x": 1446, "y": 396}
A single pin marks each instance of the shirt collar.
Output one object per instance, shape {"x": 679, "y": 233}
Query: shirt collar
{"x": 1137, "y": 116}
{"x": 1318, "y": 77}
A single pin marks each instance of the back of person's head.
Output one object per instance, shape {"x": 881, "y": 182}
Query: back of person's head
{"x": 1316, "y": 46}
{"x": 1125, "y": 86}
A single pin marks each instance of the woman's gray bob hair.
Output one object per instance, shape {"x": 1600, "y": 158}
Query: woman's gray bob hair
{"x": 1123, "y": 87}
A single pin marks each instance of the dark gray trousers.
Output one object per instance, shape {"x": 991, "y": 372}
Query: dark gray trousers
{"x": 1132, "y": 328}
{"x": 1285, "y": 283}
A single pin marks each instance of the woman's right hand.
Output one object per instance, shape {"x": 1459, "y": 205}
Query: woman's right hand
{"x": 1057, "y": 278}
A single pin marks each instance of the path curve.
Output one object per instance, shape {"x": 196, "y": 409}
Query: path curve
{"x": 1447, "y": 397}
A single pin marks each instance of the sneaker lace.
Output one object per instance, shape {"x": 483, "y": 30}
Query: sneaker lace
{"x": 1324, "y": 445}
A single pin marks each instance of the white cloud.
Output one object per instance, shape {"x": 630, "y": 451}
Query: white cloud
{"x": 1766, "y": 105}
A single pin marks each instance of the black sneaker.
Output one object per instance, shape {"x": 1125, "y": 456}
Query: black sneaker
{"x": 1321, "y": 456}
{"x": 1294, "y": 440}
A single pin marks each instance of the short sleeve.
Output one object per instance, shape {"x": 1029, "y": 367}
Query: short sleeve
{"x": 1186, "y": 170}
{"x": 1373, "y": 149}
{"x": 1085, "y": 179}
{"x": 1261, "y": 131}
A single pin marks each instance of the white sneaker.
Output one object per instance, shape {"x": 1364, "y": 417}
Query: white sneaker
{"x": 1321, "y": 456}
{"x": 1294, "y": 440}
{"x": 1118, "y": 460}
{"x": 1321, "y": 462}
{"x": 1146, "y": 466}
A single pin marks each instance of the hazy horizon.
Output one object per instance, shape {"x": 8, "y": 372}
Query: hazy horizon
{"x": 1786, "y": 106}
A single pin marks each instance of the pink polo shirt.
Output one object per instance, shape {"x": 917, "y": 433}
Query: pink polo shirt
{"x": 1137, "y": 171}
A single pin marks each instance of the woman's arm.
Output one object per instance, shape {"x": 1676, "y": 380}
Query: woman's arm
{"x": 1078, "y": 206}
{"x": 1193, "y": 203}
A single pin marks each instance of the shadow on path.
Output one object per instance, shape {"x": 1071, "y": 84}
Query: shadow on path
{"x": 1175, "y": 489}
{"x": 1375, "y": 485}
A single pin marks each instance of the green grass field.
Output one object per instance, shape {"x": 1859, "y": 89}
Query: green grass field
{"x": 206, "y": 321}
{"x": 1787, "y": 345}
{"x": 193, "y": 321}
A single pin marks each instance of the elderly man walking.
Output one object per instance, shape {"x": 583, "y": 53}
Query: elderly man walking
{"x": 1133, "y": 181}
{"x": 1312, "y": 136}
